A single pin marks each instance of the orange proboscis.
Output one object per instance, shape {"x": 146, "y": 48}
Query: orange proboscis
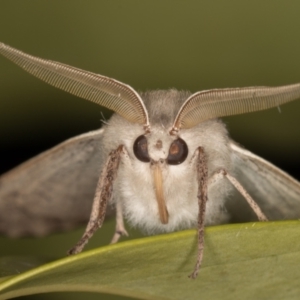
{"x": 159, "y": 192}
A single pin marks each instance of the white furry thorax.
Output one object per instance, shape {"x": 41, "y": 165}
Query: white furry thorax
{"x": 134, "y": 188}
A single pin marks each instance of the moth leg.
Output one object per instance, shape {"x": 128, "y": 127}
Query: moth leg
{"x": 120, "y": 227}
{"x": 223, "y": 173}
{"x": 102, "y": 196}
{"x": 202, "y": 178}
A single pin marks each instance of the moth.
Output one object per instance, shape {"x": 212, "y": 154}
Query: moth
{"x": 164, "y": 162}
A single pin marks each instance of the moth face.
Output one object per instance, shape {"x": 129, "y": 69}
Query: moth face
{"x": 160, "y": 147}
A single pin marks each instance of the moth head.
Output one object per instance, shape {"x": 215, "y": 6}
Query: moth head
{"x": 158, "y": 149}
{"x": 158, "y": 144}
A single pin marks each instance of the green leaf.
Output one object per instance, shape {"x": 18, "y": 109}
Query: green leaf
{"x": 241, "y": 261}
{"x": 12, "y": 265}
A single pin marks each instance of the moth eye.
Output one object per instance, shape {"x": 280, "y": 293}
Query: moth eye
{"x": 140, "y": 149}
{"x": 178, "y": 152}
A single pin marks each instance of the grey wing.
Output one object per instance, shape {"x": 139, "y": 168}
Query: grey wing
{"x": 275, "y": 192}
{"x": 52, "y": 191}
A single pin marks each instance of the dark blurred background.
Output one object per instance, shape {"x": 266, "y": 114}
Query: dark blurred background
{"x": 190, "y": 45}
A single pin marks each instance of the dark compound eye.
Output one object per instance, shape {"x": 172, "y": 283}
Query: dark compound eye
{"x": 178, "y": 152}
{"x": 140, "y": 149}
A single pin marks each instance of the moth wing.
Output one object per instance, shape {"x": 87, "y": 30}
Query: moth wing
{"x": 275, "y": 192}
{"x": 52, "y": 191}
